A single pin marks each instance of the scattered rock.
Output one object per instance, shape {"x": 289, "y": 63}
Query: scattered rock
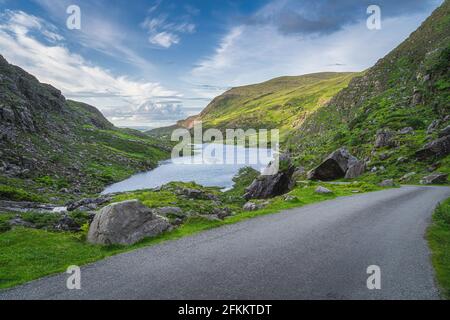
{"x": 407, "y": 176}
{"x": 402, "y": 159}
{"x": 407, "y": 130}
{"x": 336, "y": 166}
{"x": 269, "y": 186}
{"x": 433, "y": 126}
{"x": 170, "y": 211}
{"x": 125, "y": 223}
{"x": 444, "y": 132}
{"x": 384, "y": 138}
{"x": 384, "y": 156}
{"x": 290, "y": 198}
{"x": 253, "y": 206}
{"x": 67, "y": 224}
{"x": 17, "y": 221}
{"x": 222, "y": 213}
{"x": 323, "y": 190}
{"x": 387, "y": 183}
{"x": 436, "y": 148}
{"x": 88, "y": 203}
{"x": 435, "y": 178}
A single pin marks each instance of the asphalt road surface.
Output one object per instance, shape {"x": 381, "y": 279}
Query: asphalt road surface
{"x": 320, "y": 251}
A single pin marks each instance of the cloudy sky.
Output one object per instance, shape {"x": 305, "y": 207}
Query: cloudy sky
{"x": 148, "y": 63}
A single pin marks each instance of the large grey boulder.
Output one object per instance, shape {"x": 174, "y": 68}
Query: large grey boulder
{"x": 125, "y": 223}
{"x": 436, "y": 148}
{"x": 269, "y": 186}
{"x": 435, "y": 178}
{"x": 387, "y": 183}
{"x": 336, "y": 166}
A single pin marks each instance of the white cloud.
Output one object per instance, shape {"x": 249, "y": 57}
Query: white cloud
{"x": 163, "y": 32}
{"x": 77, "y": 78}
{"x": 164, "y": 39}
{"x": 255, "y": 53}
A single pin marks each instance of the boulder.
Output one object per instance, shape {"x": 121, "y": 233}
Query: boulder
{"x": 269, "y": 186}
{"x": 125, "y": 223}
{"x": 355, "y": 170}
{"x": 436, "y": 148}
{"x": 387, "y": 183}
{"x": 323, "y": 190}
{"x": 384, "y": 138}
{"x": 336, "y": 165}
{"x": 435, "y": 178}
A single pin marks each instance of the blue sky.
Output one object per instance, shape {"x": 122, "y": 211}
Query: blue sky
{"x": 149, "y": 63}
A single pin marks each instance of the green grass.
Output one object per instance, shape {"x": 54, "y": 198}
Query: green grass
{"x": 29, "y": 254}
{"x": 439, "y": 240}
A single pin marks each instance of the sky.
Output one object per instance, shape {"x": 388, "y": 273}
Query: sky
{"x": 149, "y": 63}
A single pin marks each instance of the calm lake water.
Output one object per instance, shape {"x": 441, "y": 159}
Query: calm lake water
{"x": 202, "y": 168}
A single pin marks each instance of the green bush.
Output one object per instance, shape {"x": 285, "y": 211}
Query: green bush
{"x": 16, "y": 194}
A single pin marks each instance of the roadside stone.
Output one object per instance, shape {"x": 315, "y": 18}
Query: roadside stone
{"x": 435, "y": 178}
{"x": 323, "y": 190}
{"x": 407, "y": 176}
{"x": 436, "y": 148}
{"x": 125, "y": 223}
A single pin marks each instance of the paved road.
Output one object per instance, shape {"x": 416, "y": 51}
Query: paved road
{"x": 320, "y": 251}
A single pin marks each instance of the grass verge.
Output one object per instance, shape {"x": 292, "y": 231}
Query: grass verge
{"x": 438, "y": 236}
{"x": 28, "y": 254}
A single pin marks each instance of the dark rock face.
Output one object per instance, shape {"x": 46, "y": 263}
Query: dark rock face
{"x": 125, "y": 223}
{"x": 436, "y": 148}
{"x": 337, "y": 165}
{"x": 269, "y": 186}
{"x": 435, "y": 178}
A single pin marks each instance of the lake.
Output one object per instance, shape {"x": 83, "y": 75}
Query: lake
{"x": 211, "y": 165}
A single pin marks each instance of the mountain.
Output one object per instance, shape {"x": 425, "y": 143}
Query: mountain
{"x": 404, "y": 100}
{"x": 49, "y": 144}
{"x": 281, "y": 103}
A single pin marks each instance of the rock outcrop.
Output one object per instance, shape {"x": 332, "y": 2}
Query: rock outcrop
{"x": 436, "y": 148}
{"x": 337, "y": 165}
{"x": 435, "y": 178}
{"x": 269, "y": 186}
{"x": 125, "y": 223}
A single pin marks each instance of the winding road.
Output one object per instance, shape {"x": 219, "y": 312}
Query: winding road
{"x": 320, "y": 251}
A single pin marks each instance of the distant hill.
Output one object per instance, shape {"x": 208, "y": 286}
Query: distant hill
{"x": 48, "y": 143}
{"x": 282, "y": 103}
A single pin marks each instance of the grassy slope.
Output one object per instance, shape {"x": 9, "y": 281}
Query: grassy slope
{"x": 29, "y": 254}
{"x": 94, "y": 155}
{"x": 439, "y": 240}
{"x": 383, "y": 98}
{"x": 282, "y": 103}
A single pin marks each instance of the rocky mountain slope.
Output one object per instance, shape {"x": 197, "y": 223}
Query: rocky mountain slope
{"x": 50, "y": 145}
{"x": 392, "y": 111}
{"x": 281, "y": 103}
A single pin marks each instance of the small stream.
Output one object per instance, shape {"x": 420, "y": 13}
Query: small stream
{"x": 199, "y": 168}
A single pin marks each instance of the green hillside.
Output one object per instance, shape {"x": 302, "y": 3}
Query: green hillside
{"x": 282, "y": 103}
{"x": 408, "y": 89}
{"x": 53, "y": 147}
